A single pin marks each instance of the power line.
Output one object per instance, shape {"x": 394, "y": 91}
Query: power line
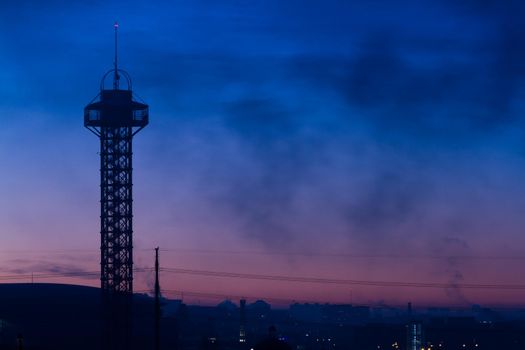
{"x": 280, "y": 278}
{"x": 60, "y": 251}
{"x": 343, "y": 281}
{"x": 49, "y": 275}
{"x": 71, "y": 274}
{"x": 284, "y": 253}
{"x": 346, "y": 255}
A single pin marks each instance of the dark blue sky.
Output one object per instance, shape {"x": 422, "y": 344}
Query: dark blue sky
{"x": 372, "y": 127}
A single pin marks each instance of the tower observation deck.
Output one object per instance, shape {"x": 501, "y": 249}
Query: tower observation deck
{"x": 115, "y": 116}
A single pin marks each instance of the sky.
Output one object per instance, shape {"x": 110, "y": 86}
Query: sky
{"x": 356, "y": 140}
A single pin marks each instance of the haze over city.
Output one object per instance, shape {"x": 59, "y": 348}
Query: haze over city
{"x": 371, "y": 141}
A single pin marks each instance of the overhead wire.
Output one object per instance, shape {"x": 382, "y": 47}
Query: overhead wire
{"x": 278, "y": 278}
{"x": 320, "y": 280}
{"x": 404, "y": 256}
{"x": 72, "y": 274}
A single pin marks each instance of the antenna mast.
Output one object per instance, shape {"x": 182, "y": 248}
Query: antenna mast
{"x": 116, "y": 76}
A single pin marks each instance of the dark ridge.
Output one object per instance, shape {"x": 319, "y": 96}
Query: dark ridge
{"x": 60, "y": 316}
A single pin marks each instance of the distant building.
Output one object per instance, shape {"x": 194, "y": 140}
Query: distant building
{"x": 330, "y": 313}
{"x": 260, "y": 308}
{"x": 242, "y": 323}
{"x": 414, "y": 336}
{"x": 415, "y": 339}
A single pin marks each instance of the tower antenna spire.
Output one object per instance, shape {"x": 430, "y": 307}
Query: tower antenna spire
{"x": 116, "y": 76}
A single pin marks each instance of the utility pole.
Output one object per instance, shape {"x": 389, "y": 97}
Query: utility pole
{"x": 157, "y": 301}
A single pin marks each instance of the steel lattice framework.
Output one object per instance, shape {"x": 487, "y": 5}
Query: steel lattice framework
{"x": 115, "y": 117}
{"x": 116, "y": 234}
{"x": 116, "y": 226}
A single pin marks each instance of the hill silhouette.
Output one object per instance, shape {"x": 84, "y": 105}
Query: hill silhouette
{"x": 60, "y": 316}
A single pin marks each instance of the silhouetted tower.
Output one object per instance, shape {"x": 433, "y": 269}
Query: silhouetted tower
{"x": 242, "y": 326}
{"x": 115, "y": 117}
